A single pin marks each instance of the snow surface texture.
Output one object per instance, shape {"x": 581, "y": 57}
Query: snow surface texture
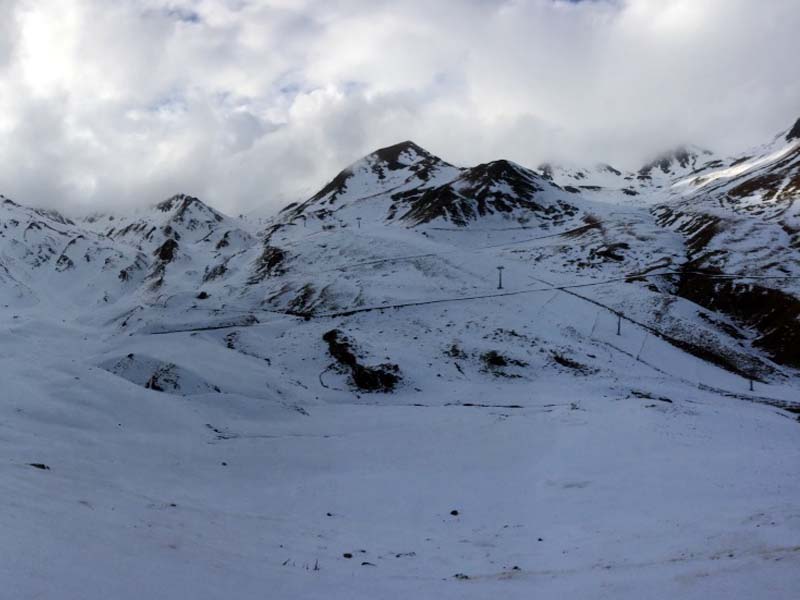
{"x": 344, "y": 403}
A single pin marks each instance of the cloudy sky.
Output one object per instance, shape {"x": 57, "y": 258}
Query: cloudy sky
{"x": 250, "y": 104}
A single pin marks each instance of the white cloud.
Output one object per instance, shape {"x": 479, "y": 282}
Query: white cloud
{"x": 253, "y": 103}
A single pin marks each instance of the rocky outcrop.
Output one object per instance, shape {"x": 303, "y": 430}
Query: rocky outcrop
{"x": 380, "y": 378}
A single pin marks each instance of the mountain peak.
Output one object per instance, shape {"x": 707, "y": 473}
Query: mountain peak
{"x": 401, "y": 155}
{"x": 400, "y": 147}
{"x": 389, "y": 168}
{"x": 180, "y": 204}
{"x": 178, "y": 200}
{"x": 686, "y": 157}
{"x": 497, "y": 170}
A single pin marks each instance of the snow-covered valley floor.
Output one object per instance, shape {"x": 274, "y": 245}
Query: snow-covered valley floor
{"x": 569, "y": 488}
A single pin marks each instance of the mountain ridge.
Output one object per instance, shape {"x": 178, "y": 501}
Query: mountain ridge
{"x": 181, "y": 248}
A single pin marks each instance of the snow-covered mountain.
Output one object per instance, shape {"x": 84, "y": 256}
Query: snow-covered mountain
{"x": 371, "y": 184}
{"x": 46, "y": 257}
{"x": 741, "y": 223}
{"x": 762, "y": 182}
{"x": 710, "y": 251}
{"x": 495, "y": 192}
{"x": 676, "y": 163}
{"x": 184, "y": 238}
{"x": 422, "y": 380}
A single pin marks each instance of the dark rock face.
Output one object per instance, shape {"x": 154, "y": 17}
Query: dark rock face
{"x": 444, "y": 201}
{"x": 224, "y": 242}
{"x": 268, "y": 264}
{"x": 333, "y": 189}
{"x": 491, "y": 188}
{"x": 303, "y": 302}
{"x": 610, "y": 169}
{"x": 774, "y": 314}
{"x": 494, "y": 359}
{"x": 391, "y": 154}
{"x": 382, "y": 378}
{"x": 769, "y": 183}
{"x": 166, "y": 251}
{"x": 794, "y": 132}
{"x": 699, "y": 228}
{"x": 214, "y": 272}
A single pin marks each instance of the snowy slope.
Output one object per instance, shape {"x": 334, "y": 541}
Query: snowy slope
{"x": 764, "y": 182}
{"x": 46, "y": 258}
{"x": 600, "y": 182}
{"x": 563, "y": 475}
{"x": 741, "y": 220}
